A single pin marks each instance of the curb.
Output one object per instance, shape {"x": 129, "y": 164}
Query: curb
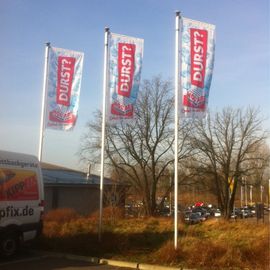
{"x": 95, "y": 260}
{"x": 133, "y": 265}
{"x": 144, "y": 266}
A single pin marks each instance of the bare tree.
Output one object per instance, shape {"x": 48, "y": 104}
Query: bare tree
{"x": 143, "y": 149}
{"x": 114, "y": 200}
{"x": 258, "y": 166}
{"x": 226, "y": 145}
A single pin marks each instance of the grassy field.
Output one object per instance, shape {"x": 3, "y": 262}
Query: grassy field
{"x": 214, "y": 244}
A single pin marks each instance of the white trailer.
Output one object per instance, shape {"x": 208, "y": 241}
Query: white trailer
{"x": 21, "y": 200}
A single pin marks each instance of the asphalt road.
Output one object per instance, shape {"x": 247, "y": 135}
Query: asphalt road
{"x": 28, "y": 260}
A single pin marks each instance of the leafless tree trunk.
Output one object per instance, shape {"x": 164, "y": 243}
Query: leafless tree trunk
{"x": 114, "y": 201}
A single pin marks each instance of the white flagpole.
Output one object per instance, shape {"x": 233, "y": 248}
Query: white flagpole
{"x": 43, "y": 109}
{"x": 241, "y": 196}
{"x": 177, "y": 29}
{"x": 105, "y": 85}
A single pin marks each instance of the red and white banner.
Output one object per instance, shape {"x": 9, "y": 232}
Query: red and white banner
{"x": 197, "y": 63}
{"x": 125, "y": 64}
{"x": 63, "y": 88}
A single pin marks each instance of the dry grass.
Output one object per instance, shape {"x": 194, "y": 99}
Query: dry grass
{"x": 213, "y": 244}
{"x": 219, "y": 244}
{"x": 110, "y": 215}
{"x": 61, "y": 215}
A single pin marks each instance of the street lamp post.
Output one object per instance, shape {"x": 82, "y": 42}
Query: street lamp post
{"x": 245, "y": 192}
{"x": 262, "y": 189}
{"x": 241, "y": 196}
{"x": 250, "y": 193}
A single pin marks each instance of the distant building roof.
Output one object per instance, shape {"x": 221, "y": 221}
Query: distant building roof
{"x": 50, "y": 166}
{"x": 58, "y": 175}
{"x": 62, "y": 176}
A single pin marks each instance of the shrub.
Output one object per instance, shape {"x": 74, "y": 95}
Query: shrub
{"x": 61, "y": 215}
{"x": 109, "y": 214}
{"x": 51, "y": 229}
{"x": 167, "y": 254}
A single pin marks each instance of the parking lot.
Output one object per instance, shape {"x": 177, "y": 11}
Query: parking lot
{"x": 199, "y": 213}
{"x": 31, "y": 260}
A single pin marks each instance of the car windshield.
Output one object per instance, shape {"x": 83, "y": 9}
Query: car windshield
{"x": 194, "y": 215}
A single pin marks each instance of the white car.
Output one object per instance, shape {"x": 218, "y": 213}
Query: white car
{"x": 217, "y": 213}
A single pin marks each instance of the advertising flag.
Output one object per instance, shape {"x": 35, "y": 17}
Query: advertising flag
{"x": 197, "y": 49}
{"x": 63, "y": 88}
{"x": 125, "y": 64}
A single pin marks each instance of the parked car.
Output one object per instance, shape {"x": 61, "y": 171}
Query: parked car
{"x": 202, "y": 211}
{"x": 194, "y": 218}
{"x": 165, "y": 212}
{"x": 241, "y": 213}
{"x": 217, "y": 213}
{"x": 252, "y": 210}
{"x": 248, "y": 213}
{"x": 234, "y": 214}
{"x": 238, "y": 212}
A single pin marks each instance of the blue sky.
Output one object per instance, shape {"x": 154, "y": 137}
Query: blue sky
{"x": 241, "y": 73}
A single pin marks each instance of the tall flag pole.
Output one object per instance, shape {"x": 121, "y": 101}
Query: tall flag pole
{"x": 105, "y": 87}
{"x": 61, "y": 90}
{"x": 44, "y": 91}
{"x": 121, "y": 80}
{"x": 194, "y": 63}
{"x": 177, "y": 88}
{"x": 269, "y": 196}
